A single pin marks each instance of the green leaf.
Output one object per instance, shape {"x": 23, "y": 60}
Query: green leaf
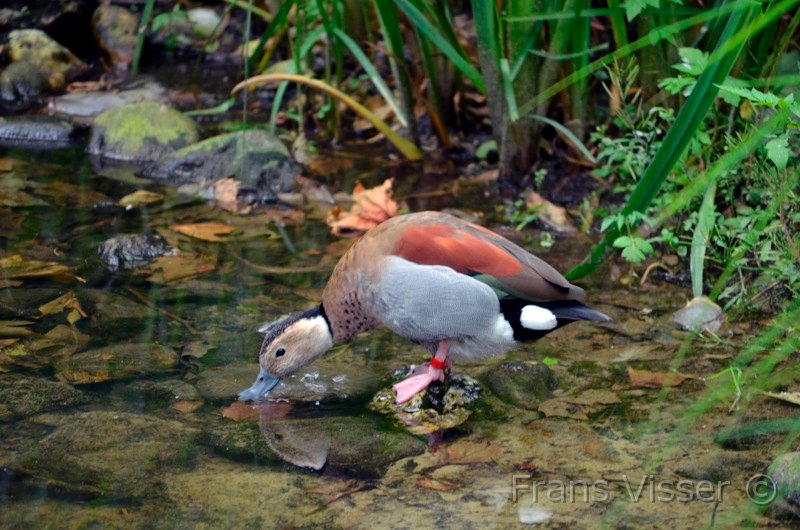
{"x": 549, "y": 361}
{"x": 778, "y": 151}
{"x": 633, "y": 254}
{"x": 634, "y": 7}
{"x": 622, "y": 242}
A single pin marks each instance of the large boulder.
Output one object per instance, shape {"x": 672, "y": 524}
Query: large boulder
{"x": 141, "y": 132}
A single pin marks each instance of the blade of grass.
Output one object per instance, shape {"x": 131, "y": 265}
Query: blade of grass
{"x": 279, "y": 22}
{"x": 147, "y": 14}
{"x": 430, "y": 31}
{"x": 373, "y": 74}
{"x": 569, "y": 134}
{"x": 705, "y": 223}
{"x": 404, "y": 146}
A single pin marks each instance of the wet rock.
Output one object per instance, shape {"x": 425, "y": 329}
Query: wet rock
{"x": 36, "y": 132}
{"x": 165, "y": 392}
{"x": 113, "y": 454}
{"x": 41, "y": 64}
{"x": 699, "y": 314}
{"x": 141, "y": 132}
{"x": 320, "y": 382}
{"x": 785, "y": 486}
{"x": 187, "y": 29}
{"x": 131, "y": 251}
{"x": 115, "y": 29}
{"x": 350, "y": 445}
{"x": 107, "y": 307}
{"x": 120, "y": 361}
{"x": 441, "y": 407}
{"x": 258, "y": 160}
{"x": 524, "y": 384}
{"x": 241, "y": 442}
{"x": 83, "y": 106}
{"x": 22, "y": 396}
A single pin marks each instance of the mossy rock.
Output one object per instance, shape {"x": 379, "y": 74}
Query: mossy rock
{"x": 112, "y": 454}
{"x": 120, "y": 361}
{"x": 35, "y": 47}
{"x": 22, "y": 396}
{"x": 141, "y": 132}
{"x": 524, "y": 384}
{"x": 257, "y": 159}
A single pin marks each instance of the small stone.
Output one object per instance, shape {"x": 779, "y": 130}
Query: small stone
{"x": 533, "y": 514}
{"x": 130, "y": 251}
{"x": 115, "y": 29}
{"x": 84, "y": 106}
{"x": 141, "y": 132}
{"x": 699, "y": 314}
{"x": 524, "y": 384}
{"x": 785, "y": 475}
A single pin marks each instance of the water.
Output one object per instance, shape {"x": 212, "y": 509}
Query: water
{"x": 147, "y": 432}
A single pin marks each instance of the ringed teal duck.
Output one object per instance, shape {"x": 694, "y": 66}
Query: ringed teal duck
{"x": 461, "y": 291}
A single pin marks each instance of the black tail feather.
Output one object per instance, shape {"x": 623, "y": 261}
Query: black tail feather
{"x": 566, "y": 312}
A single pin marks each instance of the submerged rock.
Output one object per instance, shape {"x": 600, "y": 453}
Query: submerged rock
{"x": 350, "y": 445}
{"x": 120, "y": 361}
{"x": 259, "y": 161}
{"x": 113, "y": 454}
{"x": 115, "y": 29}
{"x": 439, "y": 408}
{"x": 38, "y": 63}
{"x": 22, "y": 395}
{"x": 36, "y": 132}
{"x": 130, "y": 251}
{"x": 240, "y": 441}
{"x": 83, "y": 106}
{"x": 699, "y": 314}
{"x": 141, "y": 132}
{"x": 320, "y": 382}
{"x": 784, "y": 473}
{"x": 524, "y": 384}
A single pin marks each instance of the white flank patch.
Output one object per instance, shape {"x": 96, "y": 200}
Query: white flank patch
{"x": 537, "y": 318}
{"x": 502, "y": 329}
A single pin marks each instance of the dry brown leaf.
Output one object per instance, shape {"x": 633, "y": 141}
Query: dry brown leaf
{"x": 433, "y": 484}
{"x": 209, "y": 231}
{"x": 7, "y": 342}
{"x": 239, "y": 411}
{"x": 66, "y": 301}
{"x": 185, "y": 406}
{"x": 9, "y": 283}
{"x": 788, "y": 397}
{"x": 558, "y": 408}
{"x": 166, "y": 269}
{"x": 467, "y": 453}
{"x": 226, "y": 191}
{"x": 195, "y": 349}
{"x": 140, "y": 198}
{"x": 648, "y": 379}
{"x": 6, "y": 164}
{"x": 372, "y": 207}
{"x": 551, "y": 214}
{"x": 17, "y": 268}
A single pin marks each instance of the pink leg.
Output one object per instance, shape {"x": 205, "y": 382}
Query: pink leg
{"x": 420, "y": 379}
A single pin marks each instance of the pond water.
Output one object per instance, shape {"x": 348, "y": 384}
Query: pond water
{"x": 117, "y": 389}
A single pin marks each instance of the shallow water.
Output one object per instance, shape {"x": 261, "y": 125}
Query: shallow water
{"x": 112, "y": 440}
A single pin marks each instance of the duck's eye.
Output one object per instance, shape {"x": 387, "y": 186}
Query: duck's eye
{"x": 279, "y": 352}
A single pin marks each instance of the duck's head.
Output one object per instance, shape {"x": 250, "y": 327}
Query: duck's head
{"x": 289, "y": 344}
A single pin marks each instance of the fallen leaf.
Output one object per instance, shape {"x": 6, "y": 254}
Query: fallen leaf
{"x": 195, "y": 349}
{"x": 788, "y": 397}
{"x": 66, "y": 301}
{"x": 15, "y": 328}
{"x": 9, "y": 283}
{"x": 6, "y": 164}
{"x": 7, "y": 342}
{"x": 433, "y": 484}
{"x": 205, "y": 231}
{"x": 558, "y": 408}
{"x": 72, "y": 195}
{"x": 648, "y": 379}
{"x": 166, "y": 269}
{"x": 467, "y": 453}
{"x": 372, "y": 207}
{"x": 226, "y": 191}
{"x": 186, "y": 406}
{"x": 15, "y": 267}
{"x": 551, "y": 214}
{"x": 239, "y": 410}
{"x": 140, "y": 198}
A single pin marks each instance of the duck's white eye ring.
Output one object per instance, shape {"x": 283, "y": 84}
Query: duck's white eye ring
{"x": 280, "y": 352}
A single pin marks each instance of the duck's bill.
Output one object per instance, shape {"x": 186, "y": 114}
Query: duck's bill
{"x": 264, "y": 383}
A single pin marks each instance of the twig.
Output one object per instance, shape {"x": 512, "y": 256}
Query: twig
{"x": 164, "y": 312}
{"x": 650, "y": 268}
{"x": 267, "y": 269}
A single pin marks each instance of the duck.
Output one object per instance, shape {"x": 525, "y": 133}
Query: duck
{"x": 461, "y": 291}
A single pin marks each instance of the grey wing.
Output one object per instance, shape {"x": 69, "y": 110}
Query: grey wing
{"x": 428, "y": 303}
